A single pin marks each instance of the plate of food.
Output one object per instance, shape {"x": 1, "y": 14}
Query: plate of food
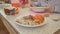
{"x": 31, "y": 20}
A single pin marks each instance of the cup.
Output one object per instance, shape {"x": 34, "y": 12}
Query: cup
{"x": 17, "y": 5}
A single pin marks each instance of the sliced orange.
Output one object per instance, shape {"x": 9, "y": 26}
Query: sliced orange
{"x": 39, "y": 18}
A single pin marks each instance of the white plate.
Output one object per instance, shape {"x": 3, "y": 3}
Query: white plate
{"x": 37, "y": 9}
{"x": 45, "y": 21}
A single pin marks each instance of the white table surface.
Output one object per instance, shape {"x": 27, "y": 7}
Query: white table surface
{"x": 49, "y": 28}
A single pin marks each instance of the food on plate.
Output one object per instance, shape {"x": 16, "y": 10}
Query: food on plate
{"x": 31, "y": 20}
{"x": 39, "y": 18}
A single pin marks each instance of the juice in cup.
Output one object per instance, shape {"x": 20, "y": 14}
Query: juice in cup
{"x": 16, "y": 5}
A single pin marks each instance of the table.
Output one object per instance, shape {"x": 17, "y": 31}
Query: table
{"x": 49, "y": 28}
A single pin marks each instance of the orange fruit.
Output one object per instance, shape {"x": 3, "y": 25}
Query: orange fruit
{"x": 39, "y": 18}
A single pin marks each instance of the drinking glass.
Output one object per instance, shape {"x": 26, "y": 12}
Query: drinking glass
{"x": 16, "y": 5}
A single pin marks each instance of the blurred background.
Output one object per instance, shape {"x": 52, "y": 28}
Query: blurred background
{"x": 5, "y": 1}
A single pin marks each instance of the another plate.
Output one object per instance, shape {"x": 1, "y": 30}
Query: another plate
{"x": 45, "y": 21}
{"x": 38, "y": 9}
